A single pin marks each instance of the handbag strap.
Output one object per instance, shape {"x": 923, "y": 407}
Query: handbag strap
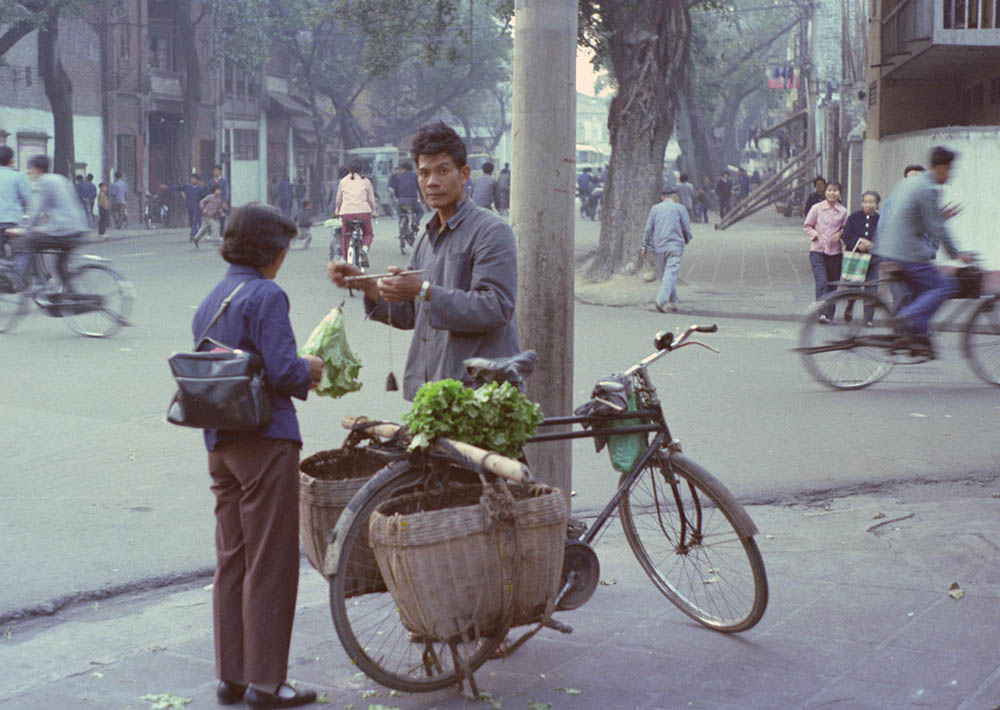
{"x": 222, "y": 309}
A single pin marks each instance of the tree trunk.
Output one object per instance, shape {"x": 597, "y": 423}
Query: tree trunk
{"x": 181, "y": 161}
{"x": 59, "y": 90}
{"x": 703, "y": 161}
{"x": 649, "y": 55}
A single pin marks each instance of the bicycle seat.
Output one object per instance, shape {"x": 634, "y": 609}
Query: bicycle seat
{"x": 514, "y": 369}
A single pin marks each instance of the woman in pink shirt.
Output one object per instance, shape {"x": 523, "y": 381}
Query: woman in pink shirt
{"x": 825, "y": 224}
{"x": 356, "y": 200}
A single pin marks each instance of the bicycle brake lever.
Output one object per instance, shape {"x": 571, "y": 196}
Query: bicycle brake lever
{"x": 697, "y": 342}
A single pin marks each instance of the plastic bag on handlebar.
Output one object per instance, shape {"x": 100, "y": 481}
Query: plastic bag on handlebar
{"x": 623, "y": 449}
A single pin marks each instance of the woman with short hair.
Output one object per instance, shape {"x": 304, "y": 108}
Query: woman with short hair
{"x": 255, "y": 473}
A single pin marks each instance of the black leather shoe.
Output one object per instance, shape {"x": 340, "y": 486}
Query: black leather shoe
{"x": 229, "y": 693}
{"x": 259, "y": 699}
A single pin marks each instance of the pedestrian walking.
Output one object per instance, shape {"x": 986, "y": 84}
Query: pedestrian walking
{"x": 860, "y": 231}
{"x": 119, "y": 198}
{"x": 218, "y": 180}
{"x": 724, "y": 193}
{"x": 742, "y": 184}
{"x": 701, "y": 202}
{"x": 685, "y": 194}
{"x": 819, "y": 194}
{"x": 89, "y": 198}
{"x": 103, "y": 209}
{"x": 824, "y": 226}
{"x": 286, "y": 195}
{"x": 668, "y": 230}
{"x": 503, "y": 188}
{"x": 255, "y": 473}
{"x": 484, "y": 189}
{"x": 212, "y": 209}
{"x": 300, "y": 193}
{"x": 584, "y": 186}
{"x": 463, "y": 305}
{"x": 194, "y": 192}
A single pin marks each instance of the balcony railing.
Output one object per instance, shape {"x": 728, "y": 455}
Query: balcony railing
{"x": 973, "y": 23}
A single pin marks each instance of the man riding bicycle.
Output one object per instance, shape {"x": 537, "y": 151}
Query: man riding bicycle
{"x": 913, "y": 221}
{"x": 404, "y": 186}
{"x": 15, "y": 195}
{"x": 56, "y": 220}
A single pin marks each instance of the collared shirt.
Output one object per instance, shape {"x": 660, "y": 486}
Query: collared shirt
{"x": 860, "y": 226}
{"x": 56, "y": 209}
{"x": 685, "y": 194}
{"x": 355, "y": 195}
{"x": 912, "y": 222}
{"x": 823, "y": 225}
{"x": 484, "y": 191}
{"x": 119, "y": 192}
{"x": 211, "y": 205}
{"x": 193, "y": 194}
{"x": 471, "y": 263}
{"x": 665, "y": 226}
{"x": 15, "y": 195}
{"x": 257, "y": 321}
{"x": 406, "y": 187}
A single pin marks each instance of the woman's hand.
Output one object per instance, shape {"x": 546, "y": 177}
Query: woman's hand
{"x": 315, "y": 369}
{"x": 863, "y": 244}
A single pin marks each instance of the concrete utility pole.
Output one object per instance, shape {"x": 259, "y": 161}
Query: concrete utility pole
{"x": 543, "y": 177}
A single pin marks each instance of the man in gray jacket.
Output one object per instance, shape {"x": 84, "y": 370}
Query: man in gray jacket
{"x": 912, "y": 221}
{"x": 668, "y": 230}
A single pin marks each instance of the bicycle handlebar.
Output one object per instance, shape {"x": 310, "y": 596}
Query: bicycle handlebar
{"x": 664, "y": 342}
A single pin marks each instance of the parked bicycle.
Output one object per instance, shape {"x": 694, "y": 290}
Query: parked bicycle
{"x": 691, "y": 536}
{"x": 849, "y": 354}
{"x": 409, "y": 224}
{"x": 96, "y": 300}
{"x": 154, "y": 211}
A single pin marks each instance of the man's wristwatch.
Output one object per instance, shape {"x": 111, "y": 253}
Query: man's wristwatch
{"x": 425, "y": 291}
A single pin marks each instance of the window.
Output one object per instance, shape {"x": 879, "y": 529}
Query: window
{"x": 995, "y": 90}
{"x": 245, "y": 144}
{"x": 978, "y": 95}
{"x": 241, "y": 82}
{"x": 228, "y": 73}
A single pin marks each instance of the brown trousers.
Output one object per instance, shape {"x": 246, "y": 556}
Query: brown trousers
{"x": 256, "y": 487}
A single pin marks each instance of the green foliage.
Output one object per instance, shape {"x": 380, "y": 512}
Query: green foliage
{"x": 494, "y": 417}
{"x": 166, "y": 701}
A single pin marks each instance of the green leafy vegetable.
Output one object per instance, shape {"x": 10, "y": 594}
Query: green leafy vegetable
{"x": 494, "y": 417}
{"x": 328, "y": 342}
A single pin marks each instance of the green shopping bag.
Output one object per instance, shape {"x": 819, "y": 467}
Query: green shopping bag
{"x": 625, "y": 449}
{"x": 855, "y": 266}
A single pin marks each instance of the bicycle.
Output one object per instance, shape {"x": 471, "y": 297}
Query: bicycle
{"x": 154, "y": 211}
{"x": 409, "y": 224}
{"x": 849, "y": 354}
{"x": 96, "y": 301}
{"x": 355, "y": 247}
{"x": 691, "y": 536}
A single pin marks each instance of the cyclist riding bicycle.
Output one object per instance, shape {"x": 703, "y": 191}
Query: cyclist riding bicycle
{"x": 15, "y": 195}
{"x": 356, "y": 201}
{"x": 913, "y": 220}
{"x": 404, "y": 186}
{"x": 56, "y": 220}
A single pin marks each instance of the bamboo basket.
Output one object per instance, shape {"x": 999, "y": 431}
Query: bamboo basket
{"x": 327, "y": 482}
{"x": 457, "y": 571}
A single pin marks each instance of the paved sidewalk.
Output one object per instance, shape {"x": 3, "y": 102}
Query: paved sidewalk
{"x": 859, "y": 617}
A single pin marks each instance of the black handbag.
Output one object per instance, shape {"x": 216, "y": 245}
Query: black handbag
{"x": 221, "y": 388}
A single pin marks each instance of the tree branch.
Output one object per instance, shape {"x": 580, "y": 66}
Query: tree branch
{"x": 14, "y": 35}
{"x": 760, "y": 46}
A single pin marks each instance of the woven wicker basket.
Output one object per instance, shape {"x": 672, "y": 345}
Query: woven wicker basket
{"x": 327, "y": 482}
{"x": 447, "y": 568}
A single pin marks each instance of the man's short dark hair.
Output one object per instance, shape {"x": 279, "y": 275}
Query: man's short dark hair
{"x": 217, "y": 167}
{"x": 683, "y": 177}
{"x": 40, "y": 162}
{"x": 78, "y": 178}
{"x": 406, "y": 165}
{"x": 90, "y": 177}
{"x": 942, "y": 156}
{"x": 6, "y": 154}
{"x": 435, "y": 138}
{"x": 256, "y": 235}
{"x": 195, "y": 176}
{"x": 117, "y": 174}
{"x": 817, "y": 179}
{"x": 913, "y": 167}
{"x": 488, "y": 168}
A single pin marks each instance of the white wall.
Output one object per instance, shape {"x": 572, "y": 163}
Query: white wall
{"x": 245, "y": 184}
{"x": 973, "y": 178}
{"x": 88, "y": 135}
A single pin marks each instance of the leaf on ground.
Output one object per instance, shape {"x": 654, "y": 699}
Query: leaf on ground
{"x": 769, "y": 537}
{"x": 878, "y": 516}
{"x": 97, "y": 674}
{"x": 955, "y": 591}
{"x": 369, "y": 693}
{"x": 383, "y": 707}
{"x": 8, "y": 633}
{"x": 608, "y": 582}
{"x": 918, "y": 415}
{"x": 711, "y": 580}
{"x": 166, "y": 701}
{"x": 536, "y": 705}
{"x": 570, "y": 691}
{"x": 323, "y": 698}
{"x": 486, "y": 697}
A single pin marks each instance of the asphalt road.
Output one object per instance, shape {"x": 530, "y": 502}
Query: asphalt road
{"x": 100, "y": 493}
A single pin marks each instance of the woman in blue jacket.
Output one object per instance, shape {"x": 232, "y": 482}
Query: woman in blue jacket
{"x": 255, "y": 473}
{"x": 860, "y": 230}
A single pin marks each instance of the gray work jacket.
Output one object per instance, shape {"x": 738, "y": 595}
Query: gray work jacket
{"x": 472, "y": 266}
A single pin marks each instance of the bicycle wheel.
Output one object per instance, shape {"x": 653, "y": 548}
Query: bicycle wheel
{"x": 116, "y": 296}
{"x": 981, "y": 342}
{"x": 14, "y": 302}
{"x": 848, "y": 354}
{"x": 368, "y": 622}
{"x": 681, "y": 523}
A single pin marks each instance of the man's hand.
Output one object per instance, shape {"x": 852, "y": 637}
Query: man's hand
{"x": 340, "y": 270}
{"x": 950, "y": 210}
{"x": 399, "y": 289}
{"x": 966, "y": 257}
{"x": 315, "y": 369}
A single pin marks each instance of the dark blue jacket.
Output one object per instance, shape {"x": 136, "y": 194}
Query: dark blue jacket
{"x": 192, "y": 195}
{"x": 285, "y": 193}
{"x": 405, "y": 186}
{"x": 257, "y": 321}
{"x": 859, "y": 225}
